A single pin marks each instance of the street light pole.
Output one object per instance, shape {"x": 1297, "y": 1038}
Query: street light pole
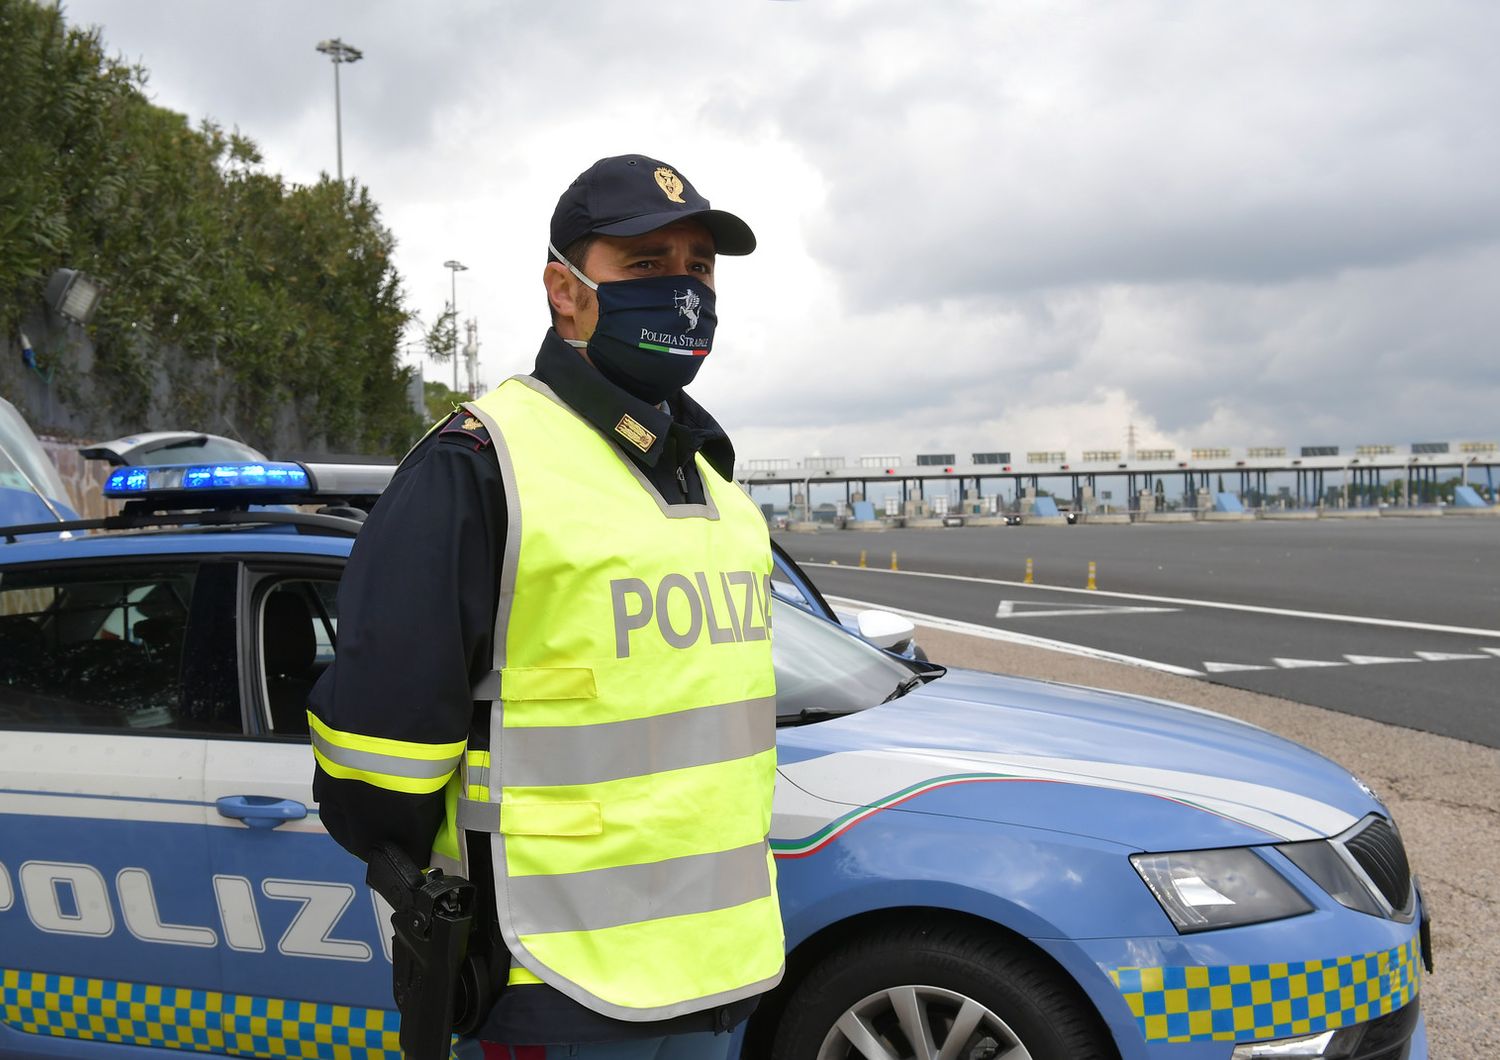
{"x": 454, "y": 268}
{"x": 340, "y": 53}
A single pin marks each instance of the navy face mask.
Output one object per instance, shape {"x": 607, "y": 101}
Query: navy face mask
{"x": 653, "y": 332}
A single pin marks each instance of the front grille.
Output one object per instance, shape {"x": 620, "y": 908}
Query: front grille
{"x": 1389, "y": 1037}
{"x": 1379, "y": 852}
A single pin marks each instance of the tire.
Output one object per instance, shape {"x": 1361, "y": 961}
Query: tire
{"x": 870, "y": 1000}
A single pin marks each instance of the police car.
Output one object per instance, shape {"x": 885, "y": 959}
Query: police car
{"x": 971, "y": 866}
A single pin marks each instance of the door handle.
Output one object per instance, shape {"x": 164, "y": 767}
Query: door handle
{"x": 260, "y": 811}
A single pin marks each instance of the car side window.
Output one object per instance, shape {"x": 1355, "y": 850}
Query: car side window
{"x": 298, "y": 623}
{"x": 119, "y": 646}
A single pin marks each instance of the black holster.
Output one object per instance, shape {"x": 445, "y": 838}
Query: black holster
{"x": 442, "y": 976}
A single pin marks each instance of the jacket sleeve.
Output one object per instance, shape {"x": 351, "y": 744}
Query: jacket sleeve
{"x": 391, "y": 715}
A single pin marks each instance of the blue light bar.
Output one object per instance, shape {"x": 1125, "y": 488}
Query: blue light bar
{"x": 183, "y": 479}
{"x": 125, "y": 481}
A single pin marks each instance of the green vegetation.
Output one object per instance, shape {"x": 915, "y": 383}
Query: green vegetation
{"x": 286, "y": 291}
{"x": 441, "y": 400}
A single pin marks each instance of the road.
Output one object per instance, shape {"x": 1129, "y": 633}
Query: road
{"x": 1395, "y": 620}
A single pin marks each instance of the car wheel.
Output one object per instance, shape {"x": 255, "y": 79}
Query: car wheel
{"x": 937, "y": 993}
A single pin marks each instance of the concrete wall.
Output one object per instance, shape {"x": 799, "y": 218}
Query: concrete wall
{"x": 67, "y": 399}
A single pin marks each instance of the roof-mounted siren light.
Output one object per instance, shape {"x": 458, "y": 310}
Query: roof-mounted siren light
{"x": 126, "y": 483}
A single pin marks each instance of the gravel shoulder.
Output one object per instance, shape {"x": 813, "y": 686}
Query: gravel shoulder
{"x": 1444, "y": 792}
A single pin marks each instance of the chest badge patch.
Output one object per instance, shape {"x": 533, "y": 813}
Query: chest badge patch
{"x": 634, "y": 433}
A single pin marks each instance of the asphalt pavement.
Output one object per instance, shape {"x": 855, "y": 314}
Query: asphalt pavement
{"x": 1393, "y": 620}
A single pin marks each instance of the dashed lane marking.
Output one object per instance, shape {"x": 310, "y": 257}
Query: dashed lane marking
{"x": 1348, "y": 660}
{"x": 1035, "y": 609}
{"x": 1361, "y": 620}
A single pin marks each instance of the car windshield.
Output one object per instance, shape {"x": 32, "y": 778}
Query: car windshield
{"x": 822, "y": 669}
{"x": 211, "y": 448}
{"x": 23, "y": 463}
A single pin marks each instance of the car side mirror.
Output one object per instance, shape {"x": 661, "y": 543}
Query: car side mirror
{"x": 885, "y": 630}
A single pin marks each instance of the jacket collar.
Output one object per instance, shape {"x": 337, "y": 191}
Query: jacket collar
{"x": 646, "y": 433}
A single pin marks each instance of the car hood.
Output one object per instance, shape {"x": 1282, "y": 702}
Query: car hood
{"x": 1144, "y": 773}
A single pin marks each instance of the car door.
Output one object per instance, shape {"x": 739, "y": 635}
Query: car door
{"x": 301, "y": 925}
{"x": 118, "y": 675}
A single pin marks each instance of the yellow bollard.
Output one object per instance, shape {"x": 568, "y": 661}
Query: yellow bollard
{"x": 1029, "y": 579}
{"x": 1093, "y": 570}
{"x": 861, "y": 557}
{"x": 894, "y": 564}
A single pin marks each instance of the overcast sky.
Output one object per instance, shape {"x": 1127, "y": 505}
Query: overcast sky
{"x": 982, "y": 225}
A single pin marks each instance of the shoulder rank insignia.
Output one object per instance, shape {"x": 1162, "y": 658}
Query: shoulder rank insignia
{"x": 466, "y": 429}
{"x": 632, "y": 431}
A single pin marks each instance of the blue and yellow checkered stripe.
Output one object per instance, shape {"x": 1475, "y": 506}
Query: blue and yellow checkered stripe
{"x": 106, "y": 1010}
{"x": 1246, "y": 1002}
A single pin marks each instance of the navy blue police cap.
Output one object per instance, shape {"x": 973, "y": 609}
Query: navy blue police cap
{"x": 629, "y": 195}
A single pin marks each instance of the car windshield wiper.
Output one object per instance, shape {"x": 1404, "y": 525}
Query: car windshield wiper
{"x": 807, "y": 714}
{"x": 914, "y": 681}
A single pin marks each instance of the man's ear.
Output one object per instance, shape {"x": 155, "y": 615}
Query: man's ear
{"x": 561, "y": 289}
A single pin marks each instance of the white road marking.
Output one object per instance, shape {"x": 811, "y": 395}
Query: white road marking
{"x": 1362, "y": 620}
{"x": 991, "y": 633}
{"x": 1357, "y": 660}
{"x": 1008, "y": 609}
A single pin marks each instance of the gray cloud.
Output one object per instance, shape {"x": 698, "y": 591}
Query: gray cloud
{"x": 1202, "y": 143}
{"x": 1232, "y": 224}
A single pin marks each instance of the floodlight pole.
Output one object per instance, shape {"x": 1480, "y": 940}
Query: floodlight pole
{"x": 454, "y": 268}
{"x": 340, "y": 53}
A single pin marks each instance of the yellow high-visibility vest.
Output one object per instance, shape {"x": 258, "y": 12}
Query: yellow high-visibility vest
{"x": 632, "y": 729}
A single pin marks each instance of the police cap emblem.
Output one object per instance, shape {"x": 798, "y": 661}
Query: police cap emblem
{"x": 669, "y": 182}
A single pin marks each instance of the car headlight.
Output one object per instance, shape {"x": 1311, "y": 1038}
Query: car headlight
{"x": 1200, "y": 890}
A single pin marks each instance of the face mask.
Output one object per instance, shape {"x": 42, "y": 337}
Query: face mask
{"x": 653, "y": 332}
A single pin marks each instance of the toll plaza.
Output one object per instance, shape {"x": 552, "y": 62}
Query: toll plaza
{"x": 1112, "y": 486}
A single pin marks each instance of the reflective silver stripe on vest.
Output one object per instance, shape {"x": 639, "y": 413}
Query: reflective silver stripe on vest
{"x": 487, "y": 688}
{"x": 475, "y": 816}
{"x": 389, "y": 765}
{"x": 593, "y": 754}
{"x": 606, "y": 898}
{"x": 479, "y": 775}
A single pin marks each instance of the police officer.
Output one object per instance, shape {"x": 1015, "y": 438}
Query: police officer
{"x": 554, "y": 668}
